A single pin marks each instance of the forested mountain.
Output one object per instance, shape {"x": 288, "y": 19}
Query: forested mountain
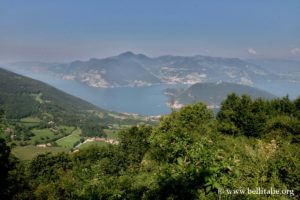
{"x": 213, "y": 93}
{"x": 129, "y": 69}
{"x": 21, "y": 96}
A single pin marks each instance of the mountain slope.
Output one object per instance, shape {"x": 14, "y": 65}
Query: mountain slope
{"x": 21, "y": 96}
{"x": 213, "y": 93}
{"x": 195, "y": 69}
{"x": 111, "y": 72}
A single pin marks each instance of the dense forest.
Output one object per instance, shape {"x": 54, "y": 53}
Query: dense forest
{"x": 249, "y": 148}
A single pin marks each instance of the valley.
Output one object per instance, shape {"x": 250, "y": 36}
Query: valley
{"x": 41, "y": 118}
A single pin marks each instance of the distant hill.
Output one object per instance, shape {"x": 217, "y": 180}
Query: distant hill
{"x": 212, "y": 93}
{"x": 129, "y": 69}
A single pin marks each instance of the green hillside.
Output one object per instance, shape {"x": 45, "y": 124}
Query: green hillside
{"x": 38, "y": 114}
{"x": 21, "y": 96}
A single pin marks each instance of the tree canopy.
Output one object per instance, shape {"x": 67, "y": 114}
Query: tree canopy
{"x": 190, "y": 155}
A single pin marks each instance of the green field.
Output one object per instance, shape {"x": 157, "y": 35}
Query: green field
{"x": 30, "y": 125}
{"x": 69, "y": 140}
{"x": 30, "y": 120}
{"x": 67, "y": 129}
{"x": 94, "y": 143}
{"x": 29, "y": 152}
{"x": 41, "y": 135}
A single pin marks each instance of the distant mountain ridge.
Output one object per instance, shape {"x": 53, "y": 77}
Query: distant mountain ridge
{"x": 129, "y": 69}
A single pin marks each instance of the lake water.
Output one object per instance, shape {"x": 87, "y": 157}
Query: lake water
{"x": 281, "y": 88}
{"x": 149, "y": 100}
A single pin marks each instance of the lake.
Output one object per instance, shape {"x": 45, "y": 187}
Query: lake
{"x": 148, "y": 100}
{"x": 281, "y": 88}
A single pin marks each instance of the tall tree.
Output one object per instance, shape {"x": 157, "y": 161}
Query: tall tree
{"x": 4, "y": 166}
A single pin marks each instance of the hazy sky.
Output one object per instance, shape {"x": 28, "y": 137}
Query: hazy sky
{"x": 63, "y": 30}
